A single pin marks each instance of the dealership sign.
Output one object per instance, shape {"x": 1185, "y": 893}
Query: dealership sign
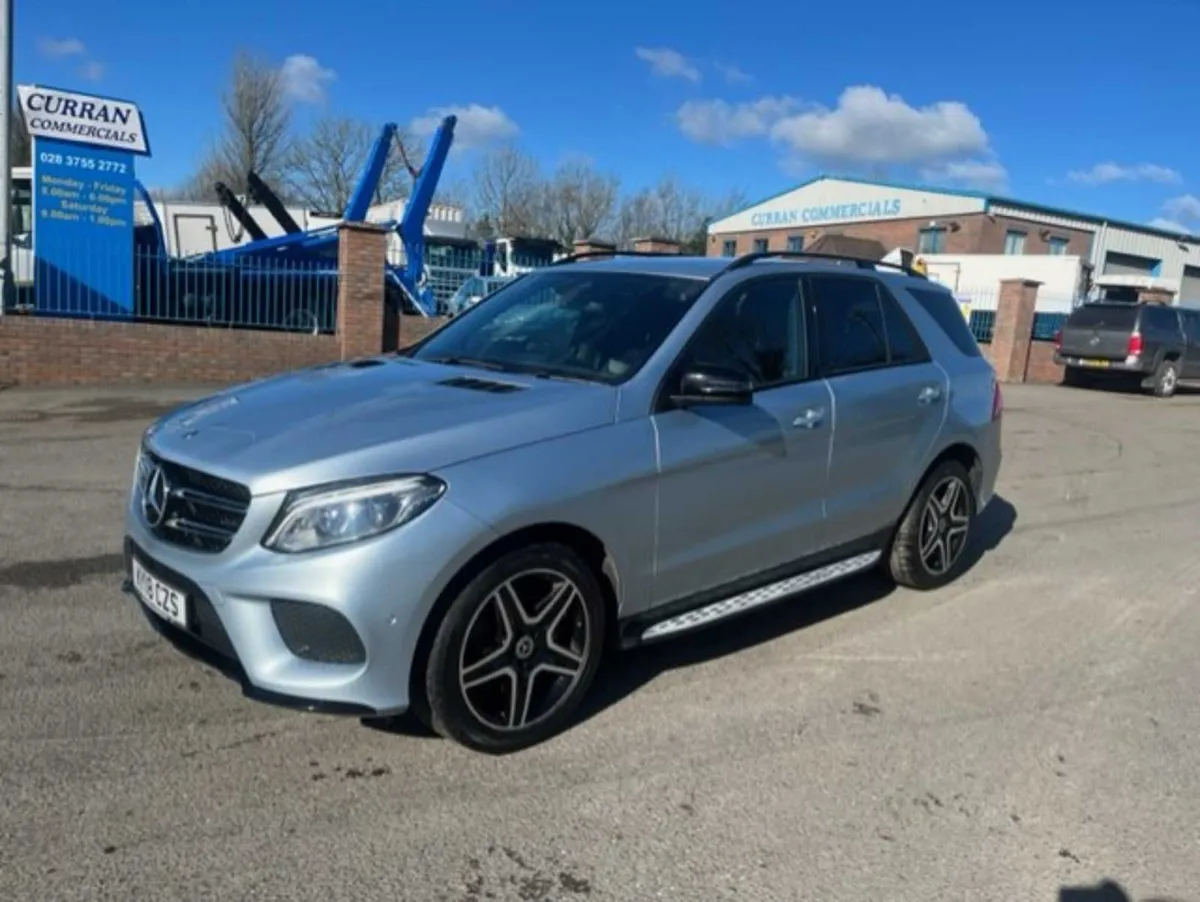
{"x": 84, "y": 186}
{"x": 83, "y": 119}
{"x": 867, "y": 209}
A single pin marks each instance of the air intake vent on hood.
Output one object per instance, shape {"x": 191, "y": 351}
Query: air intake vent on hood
{"x": 499, "y": 388}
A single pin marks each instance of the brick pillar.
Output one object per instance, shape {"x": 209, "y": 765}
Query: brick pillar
{"x": 586, "y": 245}
{"x": 656, "y": 246}
{"x": 362, "y": 253}
{"x": 1155, "y": 296}
{"x": 1012, "y": 333}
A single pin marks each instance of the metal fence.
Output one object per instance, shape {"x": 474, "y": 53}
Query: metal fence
{"x": 979, "y": 306}
{"x": 277, "y": 295}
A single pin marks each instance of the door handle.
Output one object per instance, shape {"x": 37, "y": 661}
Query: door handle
{"x": 810, "y": 419}
{"x": 929, "y": 394}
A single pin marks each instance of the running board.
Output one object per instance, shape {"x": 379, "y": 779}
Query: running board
{"x": 737, "y": 604}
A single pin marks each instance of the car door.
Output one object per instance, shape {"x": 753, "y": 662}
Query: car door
{"x": 889, "y": 401}
{"x": 1191, "y": 330}
{"x": 741, "y": 486}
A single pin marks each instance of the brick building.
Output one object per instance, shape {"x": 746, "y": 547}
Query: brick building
{"x": 1125, "y": 257}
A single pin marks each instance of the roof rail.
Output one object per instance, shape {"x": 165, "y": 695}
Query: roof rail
{"x": 582, "y": 255}
{"x": 860, "y": 262}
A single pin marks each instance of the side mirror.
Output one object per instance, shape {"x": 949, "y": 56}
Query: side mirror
{"x": 713, "y": 385}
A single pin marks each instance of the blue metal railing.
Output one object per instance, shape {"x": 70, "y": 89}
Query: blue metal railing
{"x": 281, "y": 295}
{"x": 983, "y": 322}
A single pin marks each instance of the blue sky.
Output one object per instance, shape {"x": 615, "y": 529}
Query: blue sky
{"x": 1010, "y": 97}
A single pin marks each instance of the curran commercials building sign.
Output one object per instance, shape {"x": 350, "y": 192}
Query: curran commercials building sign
{"x": 863, "y": 209}
{"x": 67, "y": 116}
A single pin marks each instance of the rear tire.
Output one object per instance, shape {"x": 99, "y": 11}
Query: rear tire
{"x": 517, "y": 650}
{"x": 929, "y": 548}
{"x": 1166, "y": 379}
{"x": 1072, "y": 378}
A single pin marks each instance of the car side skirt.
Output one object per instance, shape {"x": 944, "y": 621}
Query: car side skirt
{"x": 756, "y": 591}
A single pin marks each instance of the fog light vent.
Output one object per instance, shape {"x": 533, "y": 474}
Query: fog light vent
{"x": 317, "y": 633}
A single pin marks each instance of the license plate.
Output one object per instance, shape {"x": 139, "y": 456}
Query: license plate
{"x": 164, "y": 600}
{"x": 1099, "y": 364}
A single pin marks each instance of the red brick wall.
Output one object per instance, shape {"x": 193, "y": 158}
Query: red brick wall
{"x": 414, "y": 328}
{"x": 977, "y": 234}
{"x": 1041, "y": 367}
{"x": 46, "y": 351}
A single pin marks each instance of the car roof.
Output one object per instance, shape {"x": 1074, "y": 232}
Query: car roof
{"x": 705, "y": 268}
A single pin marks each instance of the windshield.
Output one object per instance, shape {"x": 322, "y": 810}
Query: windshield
{"x": 599, "y": 326}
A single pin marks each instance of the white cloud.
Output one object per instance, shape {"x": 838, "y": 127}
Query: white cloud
{"x": 92, "y": 70}
{"x": 304, "y": 79}
{"x": 1185, "y": 208}
{"x": 1170, "y": 225}
{"x": 667, "y": 63}
{"x": 871, "y": 127}
{"x": 54, "y": 49}
{"x": 1103, "y": 173}
{"x": 477, "y": 125}
{"x": 986, "y": 175}
{"x": 733, "y": 74}
{"x": 722, "y": 123}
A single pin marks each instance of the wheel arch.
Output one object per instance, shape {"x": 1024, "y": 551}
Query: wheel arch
{"x": 962, "y": 452}
{"x": 587, "y": 544}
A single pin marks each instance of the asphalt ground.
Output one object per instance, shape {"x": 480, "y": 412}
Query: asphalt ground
{"x": 1026, "y": 734}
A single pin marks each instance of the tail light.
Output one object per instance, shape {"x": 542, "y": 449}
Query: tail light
{"x": 997, "y": 401}
{"x": 1058, "y": 339}
{"x": 1135, "y": 345}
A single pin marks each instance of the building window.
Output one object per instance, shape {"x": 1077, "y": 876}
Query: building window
{"x": 1014, "y": 242}
{"x": 760, "y": 245}
{"x": 931, "y": 241}
{"x": 795, "y": 243}
{"x": 1057, "y": 246}
{"x": 729, "y": 248}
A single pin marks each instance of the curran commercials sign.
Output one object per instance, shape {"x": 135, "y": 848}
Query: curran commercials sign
{"x": 83, "y": 119}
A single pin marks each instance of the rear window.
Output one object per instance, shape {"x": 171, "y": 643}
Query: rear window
{"x": 949, "y": 316}
{"x": 1108, "y": 316}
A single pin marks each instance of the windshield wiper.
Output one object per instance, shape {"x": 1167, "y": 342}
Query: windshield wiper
{"x": 477, "y": 362}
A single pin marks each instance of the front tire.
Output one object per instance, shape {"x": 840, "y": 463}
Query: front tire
{"x": 517, "y": 650}
{"x": 929, "y": 548}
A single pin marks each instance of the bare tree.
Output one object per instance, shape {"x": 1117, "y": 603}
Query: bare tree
{"x": 672, "y": 210}
{"x": 256, "y": 124}
{"x": 508, "y": 191}
{"x": 579, "y": 202}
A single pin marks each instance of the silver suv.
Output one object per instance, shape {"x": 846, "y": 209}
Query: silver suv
{"x": 605, "y": 452}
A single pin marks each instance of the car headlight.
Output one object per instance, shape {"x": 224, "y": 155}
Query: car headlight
{"x": 332, "y": 515}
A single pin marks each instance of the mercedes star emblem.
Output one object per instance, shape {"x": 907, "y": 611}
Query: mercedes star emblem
{"x": 154, "y": 497}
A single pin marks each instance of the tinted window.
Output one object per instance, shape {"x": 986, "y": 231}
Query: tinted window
{"x": 851, "y": 334}
{"x": 1191, "y": 324}
{"x": 949, "y": 317}
{"x": 756, "y": 331}
{"x": 1160, "y": 319}
{"x": 599, "y": 326}
{"x": 904, "y": 345}
{"x": 1108, "y": 316}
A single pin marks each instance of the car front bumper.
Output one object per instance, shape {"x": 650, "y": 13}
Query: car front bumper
{"x": 382, "y": 589}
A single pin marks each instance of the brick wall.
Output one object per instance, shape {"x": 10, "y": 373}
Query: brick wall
{"x": 46, "y": 351}
{"x": 1041, "y": 367}
{"x": 977, "y": 234}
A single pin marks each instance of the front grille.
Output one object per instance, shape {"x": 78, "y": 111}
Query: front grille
{"x": 195, "y": 509}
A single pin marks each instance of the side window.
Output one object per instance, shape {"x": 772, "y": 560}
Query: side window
{"x": 851, "y": 334}
{"x": 1191, "y": 325}
{"x": 755, "y": 330}
{"x": 1163, "y": 320}
{"x": 904, "y": 344}
{"x": 949, "y": 317}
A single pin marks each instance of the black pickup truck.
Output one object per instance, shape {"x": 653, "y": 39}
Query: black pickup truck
{"x": 1152, "y": 346}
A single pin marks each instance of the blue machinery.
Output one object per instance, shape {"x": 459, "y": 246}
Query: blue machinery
{"x": 406, "y": 288}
